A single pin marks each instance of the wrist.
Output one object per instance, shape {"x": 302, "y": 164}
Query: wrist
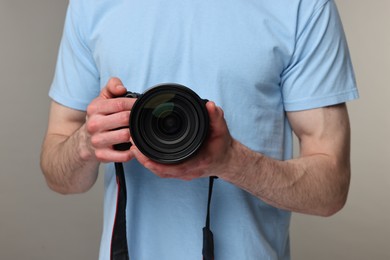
{"x": 232, "y": 162}
{"x": 83, "y": 144}
{"x": 242, "y": 161}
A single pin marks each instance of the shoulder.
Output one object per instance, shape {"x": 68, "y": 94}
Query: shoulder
{"x": 296, "y": 12}
{"x": 87, "y": 14}
{"x": 308, "y": 8}
{"x": 86, "y": 8}
{"x": 313, "y": 5}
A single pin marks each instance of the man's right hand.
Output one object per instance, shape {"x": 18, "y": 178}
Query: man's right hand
{"x": 107, "y": 122}
{"x": 77, "y": 141}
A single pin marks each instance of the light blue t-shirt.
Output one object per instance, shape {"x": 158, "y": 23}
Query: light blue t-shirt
{"x": 256, "y": 59}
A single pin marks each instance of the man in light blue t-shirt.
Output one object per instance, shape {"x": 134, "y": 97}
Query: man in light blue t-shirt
{"x": 269, "y": 68}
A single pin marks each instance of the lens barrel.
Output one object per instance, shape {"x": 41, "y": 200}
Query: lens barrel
{"x": 169, "y": 123}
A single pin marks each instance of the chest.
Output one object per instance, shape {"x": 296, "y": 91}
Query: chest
{"x": 191, "y": 42}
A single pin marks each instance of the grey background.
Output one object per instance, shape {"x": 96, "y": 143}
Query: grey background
{"x": 38, "y": 224}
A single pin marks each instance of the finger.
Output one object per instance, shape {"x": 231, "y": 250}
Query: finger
{"x": 102, "y": 123}
{"x": 183, "y": 171}
{"x": 215, "y": 112}
{"x": 159, "y": 169}
{"x": 110, "y": 138}
{"x": 142, "y": 159}
{"x": 110, "y": 155}
{"x": 217, "y": 119}
{"x": 114, "y": 88}
{"x": 110, "y": 106}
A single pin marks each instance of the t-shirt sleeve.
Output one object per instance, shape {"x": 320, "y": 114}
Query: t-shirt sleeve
{"x": 320, "y": 72}
{"x": 76, "y": 80}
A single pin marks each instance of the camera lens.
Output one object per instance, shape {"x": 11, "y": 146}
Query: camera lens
{"x": 169, "y": 123}
{"x": 168, "y": 120}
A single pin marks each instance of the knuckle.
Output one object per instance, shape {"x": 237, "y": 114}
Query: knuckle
{"x": 92, "y": 108}
{"x": 92, "y": 126}
{"x": 118, "y": 103}
{"x": 100, "y": 141}
{"x": 95, "y": 141}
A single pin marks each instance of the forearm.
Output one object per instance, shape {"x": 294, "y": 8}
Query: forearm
{"x": 68, "y": 163}
{"x": 315, "y": 184}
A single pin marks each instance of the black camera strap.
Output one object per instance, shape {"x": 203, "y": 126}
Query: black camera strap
{"x": 119, "y": 248}
{"x": 208, "y": 238}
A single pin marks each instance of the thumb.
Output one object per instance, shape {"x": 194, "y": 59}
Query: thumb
{"x": 215, "y": 112}
{"x": 113, "y": 88}
{"x": 216, "y": 115}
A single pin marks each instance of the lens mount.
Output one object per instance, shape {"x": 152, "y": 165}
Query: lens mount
{"x": 169, "y": 123}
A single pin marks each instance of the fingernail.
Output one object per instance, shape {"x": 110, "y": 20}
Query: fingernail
{"x": 120, "y": 87}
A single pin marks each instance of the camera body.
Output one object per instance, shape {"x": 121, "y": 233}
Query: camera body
{"x": 168, "y": 123}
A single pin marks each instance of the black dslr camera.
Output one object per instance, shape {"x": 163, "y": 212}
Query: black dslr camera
{"x": 168, "y": 123}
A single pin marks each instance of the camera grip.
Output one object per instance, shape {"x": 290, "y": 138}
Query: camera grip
{"x": 122, "y": 146}
{"x": 125, "y": 146}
